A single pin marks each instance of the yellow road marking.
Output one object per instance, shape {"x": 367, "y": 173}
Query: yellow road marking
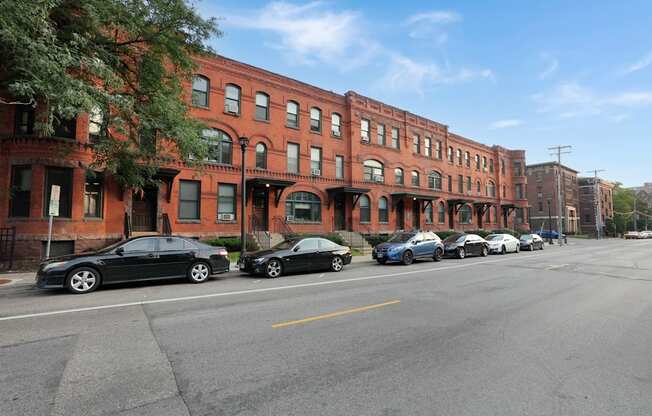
{"x": 334, "y": 314}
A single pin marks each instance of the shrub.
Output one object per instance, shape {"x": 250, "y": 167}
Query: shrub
{"x": 375, "y": 239}
{"x": 231, "y": 243}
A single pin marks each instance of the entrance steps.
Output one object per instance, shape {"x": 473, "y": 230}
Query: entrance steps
{"x": 144, "y": 233}
{"x": 356, "y": 241}
{"x": 266, "y": 239}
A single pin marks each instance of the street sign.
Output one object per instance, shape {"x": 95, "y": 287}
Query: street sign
{"x": 55, "y": 194}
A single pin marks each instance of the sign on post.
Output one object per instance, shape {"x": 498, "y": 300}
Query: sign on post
{"x": 53, "y": 211}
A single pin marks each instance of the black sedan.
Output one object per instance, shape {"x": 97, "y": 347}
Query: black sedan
{"x": 464, "y": 245}
{"x": 531, "y": 242}
{"x": 138, "y": 258}
{"x": 296, "y": 255}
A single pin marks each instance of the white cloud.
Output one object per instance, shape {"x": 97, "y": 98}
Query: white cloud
{"x": 503, "y": 124}
{"x": 570, "y": 100}
{"x": 429, "y": 25}
{"x": 641, "y": 64}
{"x": 405, "y": 74}
{"x": 552, "y": 65}
{"x": 308, "y": 33}
{"x": 618, "y": 118}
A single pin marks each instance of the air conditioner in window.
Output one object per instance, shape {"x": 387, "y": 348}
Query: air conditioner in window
{"x": 226, "y": 217}
{"x": 231, "y": 108}
{"x": 289, "y": 218}
{"x": 364, "y": 139}
{"x": 379, "y": 179}
{"x": 316, "y": 172}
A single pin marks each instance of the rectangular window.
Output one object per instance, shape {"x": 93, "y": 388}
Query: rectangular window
{"x": 63, "y": 178}
{"x": 24, "y": 119}
{"x": 427, "y": 146}
{"x": 450, "y": 183}
{"x": 459, "y": 157}
{"x": 293, "y": 158}
{"x": 315, "y": 161}
{"x": 491, "y": 165}
{"x": 189, "y": 195}
{"x": 477, "y": 162}
{"x": 262, "y": 106}
{"x": 449, "y": 154}
{"x": 517, "y": 168}
{"x": 20, "y": 193}
{"x": 336, "y": 125}
{"x": 484, "y": 163}
{"x": 232, "y": 99}
{"x": 65, "y": 128}
{"x": 380, "y": 132}
{"x": 200, "y": 91}
{"x": 438, "y": 149}
{"x": 226, "y": 200}
{"x": 292, "y": 115}
{"x": 315, "y": 120}
{"x": 339, "y": 167}
{"x": 519, "y": 191}
{"x": 467, "y": 159}
{"x": 364, "y": 130}
{"x": 460, "y": 184}
{"x": 396, "y": 144}
{"x": 502, "y": 166}
{"x": 93, "y": 195}
{"x": 416, "y": 144}
{"x": 469, "y": 184}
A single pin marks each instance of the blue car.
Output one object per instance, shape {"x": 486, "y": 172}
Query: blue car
{"x": 550, "y": 234}
{"x": 405, "y": 247}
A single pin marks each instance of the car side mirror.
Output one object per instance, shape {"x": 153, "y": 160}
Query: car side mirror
{"x": 415, "y": 242}
{"x": 120, "y": 251}
{"x": 295, "y": 249}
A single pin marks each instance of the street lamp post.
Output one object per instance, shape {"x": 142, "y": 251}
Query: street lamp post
{"x": 244, "y": 142}
{"x": 549, "y": 224}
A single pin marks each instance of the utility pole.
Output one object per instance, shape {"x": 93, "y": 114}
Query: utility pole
{"x": 635, "y": 215}
{"x": 558, "y": 151}
{"x": 597, "y": 203}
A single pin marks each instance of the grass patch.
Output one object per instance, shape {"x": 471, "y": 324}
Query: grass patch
{"x": 234, "y": 256}
{"x": 355, "y": 252}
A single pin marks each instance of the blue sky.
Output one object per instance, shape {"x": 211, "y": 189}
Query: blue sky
{"x": 520, "y": 74}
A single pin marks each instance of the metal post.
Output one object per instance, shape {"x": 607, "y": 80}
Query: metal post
{"x": 244, "y": 142}
{"x": 549, "y": 223}
{"x": 597, "y": 202}
{"x": 635, "y": 215}
{"x": 47, "y": 247}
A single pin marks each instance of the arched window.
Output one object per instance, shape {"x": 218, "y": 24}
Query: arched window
{"x": 487, "y": 216}
{"x": 478, "y": 187}
{"x": 315, "y": 119}
{"x": 232, "y": 99}
{"x": 219, "y": 146}
{"x": 398, "y": 176}
{"x": 415, "y": 178}
{"x": 336, "y": 125}
{"x": 467, "y": 159}
{"x": 303, "y": 207}
{"x": 365, "y": 208}
{"x": 434, "y": 180}
{"x": 491, "y": 189}
{"x": 383, "y": 212}
{"x": 491, "y": 165}
{"x": 477, "y": 161}
{"x": 374, "y": 171}
{"x": 262, "y": 106}
{"x": 200, "y": 88}
{"x": 261, "y": 156}
{"x": 428, "y": 214}
{"x": 441, "y": 213}
{"x": 292, "y": 114}
{"x": 465, "y": 214}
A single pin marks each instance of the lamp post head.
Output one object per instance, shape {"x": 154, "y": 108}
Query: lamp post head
{"x": 244, "y": 142}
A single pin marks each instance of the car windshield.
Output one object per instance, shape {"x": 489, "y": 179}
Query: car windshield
{"x": 494, "y": 237}
{"x": 526, "y": 237}
{"x": 285, "y": 245}
{"x": 400, "y": 238}
{"x": 455, "y": 238}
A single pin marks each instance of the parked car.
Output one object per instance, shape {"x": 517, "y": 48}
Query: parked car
{"x": 463, "y": 245}
{"x": 550, "y": 234}
{"x": 632, "y": 235}
{"x": 503, "y": 243}
{"x": 138, "y": 258}
{"x": 296, "y": 255}
{"x": 405, "y": 247}
{"x": 531, "y": 242}
{"x": 645, "y": 234}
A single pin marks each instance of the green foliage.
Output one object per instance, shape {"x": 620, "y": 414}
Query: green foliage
{"x": 127, "y": 59}
{"x": 375, "y": 239}
{"x": 231, "y": 243}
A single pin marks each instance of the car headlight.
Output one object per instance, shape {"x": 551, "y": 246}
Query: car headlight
{"x": 259, "y": 260}
{"x": 54, "y": 265}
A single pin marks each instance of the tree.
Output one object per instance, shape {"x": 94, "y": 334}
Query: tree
{"x": 123, "y": 60}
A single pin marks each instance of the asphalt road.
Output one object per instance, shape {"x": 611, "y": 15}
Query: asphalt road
{"x": 566, "y": 331}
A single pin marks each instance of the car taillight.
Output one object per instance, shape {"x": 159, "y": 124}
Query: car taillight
{"x": 222, "y": 252}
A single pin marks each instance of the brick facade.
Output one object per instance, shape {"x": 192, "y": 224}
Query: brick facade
{"x": 349, "y": 201}
{"x": 589, "y": 205}
{"x": 542, "y": 197}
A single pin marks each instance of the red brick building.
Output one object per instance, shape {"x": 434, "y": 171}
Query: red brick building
{"x": 317, "y": 162}
{"x": 593, "y": 200}
{"x": 542, "y": 196}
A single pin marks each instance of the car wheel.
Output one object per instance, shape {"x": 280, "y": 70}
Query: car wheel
{"x": 461, "y": 253}
{"x": 542, "y": 246}
{"x": 518, "y": 248}
{"x": 503, "y": 250}
{"x": 82, "y": 280}
{"x": 381, "y": 261}
{"x": 408, "y": 258}
{"x": 531, "y": 248}
{"x": 485, "y": 251}
{"x": 439, "y": 254}
{"x": 337, "y": 264}
{"x": 273, "y": 268}
{"x": 199, "y": 272}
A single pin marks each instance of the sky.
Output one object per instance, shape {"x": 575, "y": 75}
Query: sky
{"x": 520, "y": 74}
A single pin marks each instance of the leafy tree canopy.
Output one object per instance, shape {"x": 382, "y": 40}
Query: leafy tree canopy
{"x": 123, "y": 59}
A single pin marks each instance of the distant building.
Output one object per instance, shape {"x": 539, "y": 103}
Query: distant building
{"x": 542, "y": 197}
{"x": 647, "y": 188}
{"x": 595, "y": 198}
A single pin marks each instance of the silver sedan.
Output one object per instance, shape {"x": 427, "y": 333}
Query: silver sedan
{"x": 503, "y": 243}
